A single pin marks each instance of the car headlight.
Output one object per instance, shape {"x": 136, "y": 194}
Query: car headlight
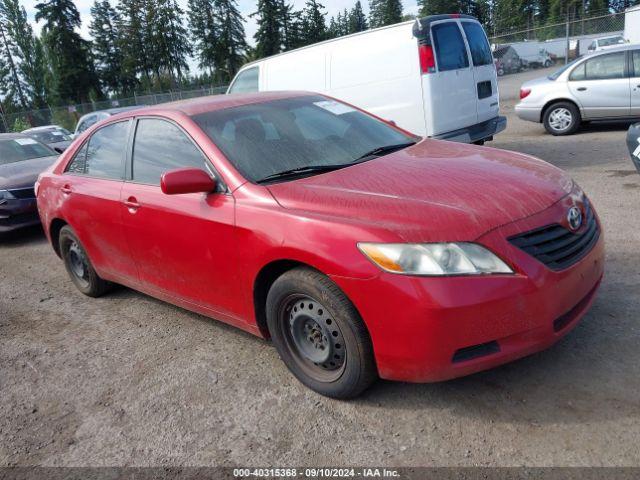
{"x": 434, "y": 258}
{"x": 5, "y": 195}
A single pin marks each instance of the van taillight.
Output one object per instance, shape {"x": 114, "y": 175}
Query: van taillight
{"x": 427, "y": 60}
{"x": 524, "y": 92}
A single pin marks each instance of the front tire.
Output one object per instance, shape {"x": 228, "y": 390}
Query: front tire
{"x": 79, "y": 266}
{"x": 319, "y": 334}
{"x": 562, "y": 118}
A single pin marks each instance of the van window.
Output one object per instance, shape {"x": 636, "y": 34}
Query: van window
{"x": 635, "y": 56}
{"x": 451, "y": 52}
{"x": 246, "y": 81}
{"x": 478, "y": 44}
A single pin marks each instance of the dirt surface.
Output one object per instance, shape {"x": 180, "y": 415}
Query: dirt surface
{"x": 128, "y": 380}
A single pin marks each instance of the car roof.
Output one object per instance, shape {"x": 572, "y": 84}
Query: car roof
{"x": 195, "y": 106}
{"x": 621, "y": 48}
{"x": 42, "y": 128}
{"x": 12, "y": 136}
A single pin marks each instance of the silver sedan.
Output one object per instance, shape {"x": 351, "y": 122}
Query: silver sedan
{"x": 601, "y": 86}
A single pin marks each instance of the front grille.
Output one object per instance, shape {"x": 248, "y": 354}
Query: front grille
{"x": 475, "y": 351}
{"x": 23, "y": 193}
{"x": 556, "y": 246}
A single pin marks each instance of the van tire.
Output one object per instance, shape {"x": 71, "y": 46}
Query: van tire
{"x": 561, "y": 118}
{"x": 308, "y": 316}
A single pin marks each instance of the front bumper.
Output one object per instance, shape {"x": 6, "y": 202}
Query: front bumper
{"x": 18, "y": 213}
{"x": 427, "y": 329}
{"x": 480, "y": 131}
{"x": 530, "y": 114}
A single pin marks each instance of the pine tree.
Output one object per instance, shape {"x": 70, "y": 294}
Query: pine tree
{"x": 69, "y": 54}
{"x": 315, "y": 27}
{"x": 26, "y": 53}
{"x": 168, "y": 39}
{"x": 357, "y": 19}
{"x": 204, "y": 32}
{"x": 107, "y": 50}
{"x": 292, "y": 27}
{"x": 385, "y": 12}
{"x": 269, "y": 36}
{"x": 231, "y": 44}
{"x": 12, "y": 85}
{"x": 134, "y": 41}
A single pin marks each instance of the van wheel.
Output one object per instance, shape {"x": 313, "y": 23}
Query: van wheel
{"x": 500, "y": 72}
{"x": 547, "y": 63}
{"x": 562, "y": 118}
{"x": 319, "y": 334}
{"x": 78, "y": 265}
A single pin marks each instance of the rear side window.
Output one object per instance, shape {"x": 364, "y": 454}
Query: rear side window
{"x": 451, "y": 52}
{"x": 103, "y": 155}
{"x": 604, "y": 67}
{"x": 246, "y": 81}
{"x": 478, "y": 44}
{"x": 160, "y": 146}
{"x": 635, "y": 56}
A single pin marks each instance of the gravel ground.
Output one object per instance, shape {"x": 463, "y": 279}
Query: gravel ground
{"x": 128, "y": 380}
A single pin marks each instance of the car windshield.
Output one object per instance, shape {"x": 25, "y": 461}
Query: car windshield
{"x": 557, "y": 73}
{"x": 50, "y": 136}
{"x": 305, "y": 135}
{"x": 18, "y": 149}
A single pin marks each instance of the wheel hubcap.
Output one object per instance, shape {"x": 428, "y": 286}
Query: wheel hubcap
{"x": 78, "y": 262}
{"x": 560, "y": 119}
{"x": 317, "y": 338}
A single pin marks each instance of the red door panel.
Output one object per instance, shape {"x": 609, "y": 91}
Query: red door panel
{"x": 183, "y": 245}
{"x": 92, "y": 207}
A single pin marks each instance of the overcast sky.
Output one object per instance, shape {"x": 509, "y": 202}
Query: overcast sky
{"x": 246, "y": 7}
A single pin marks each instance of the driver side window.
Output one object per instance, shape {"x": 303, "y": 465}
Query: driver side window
{"x": 160, "y": 146}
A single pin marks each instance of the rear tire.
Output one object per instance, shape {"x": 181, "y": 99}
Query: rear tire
{"x": 78, "y": 265}
{"x": 319, "y": 334}
{"x": 561, "y": 118}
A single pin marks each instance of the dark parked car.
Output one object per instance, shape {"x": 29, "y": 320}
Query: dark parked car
{"x": 506, "y": 60}
{"x": 22, "y": 159}
{"x": 54, "y": 136}
{"x": 633, "y": 142}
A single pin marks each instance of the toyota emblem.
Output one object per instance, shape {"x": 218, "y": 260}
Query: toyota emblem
{"x": 574, "y": 218}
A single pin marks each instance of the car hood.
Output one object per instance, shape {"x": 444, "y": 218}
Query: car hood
{"x": 24, "y": 173}
{"x": 433, "y": 191}
{"x": 61, "y": 145}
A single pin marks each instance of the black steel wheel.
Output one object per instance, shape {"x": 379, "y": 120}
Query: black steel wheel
{"x": 323, "y": 342}
{"x": 79, "y": 266}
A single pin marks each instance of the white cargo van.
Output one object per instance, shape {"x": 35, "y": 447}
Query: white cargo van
{"x": 434, "y": 76}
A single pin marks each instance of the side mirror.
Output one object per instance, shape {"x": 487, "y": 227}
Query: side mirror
{"x": 186, "y": 180}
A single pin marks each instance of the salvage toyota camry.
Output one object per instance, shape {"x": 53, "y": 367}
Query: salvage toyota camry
{"x": 361, "y": 250}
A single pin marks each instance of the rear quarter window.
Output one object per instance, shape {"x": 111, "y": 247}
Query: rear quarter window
{"x": 478, "y": 44}
{"x": 449, "y": 46}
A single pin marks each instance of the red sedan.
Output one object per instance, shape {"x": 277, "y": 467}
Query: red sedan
{"x": 361, "y": 250}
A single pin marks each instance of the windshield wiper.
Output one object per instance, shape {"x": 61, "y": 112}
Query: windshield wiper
{"x": 301, "y": 171}
{"x": 379, "y": 151}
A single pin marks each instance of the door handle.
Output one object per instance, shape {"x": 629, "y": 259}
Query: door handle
{"x": 66, "y": 190}
{"x": 132, "y": 204}
{"x": 582, "y": 89}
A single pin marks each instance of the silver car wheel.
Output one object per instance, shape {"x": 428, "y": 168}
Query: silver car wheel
{"x": 560, "y": 119}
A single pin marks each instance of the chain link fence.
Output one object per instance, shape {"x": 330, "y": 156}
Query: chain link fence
{"x": 68, "y": 116}
{"x": 556, "y": 42}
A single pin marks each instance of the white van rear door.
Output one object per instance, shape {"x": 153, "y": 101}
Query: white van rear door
{"x": 484, "y": 71}
{"x": 450, "y": 90}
